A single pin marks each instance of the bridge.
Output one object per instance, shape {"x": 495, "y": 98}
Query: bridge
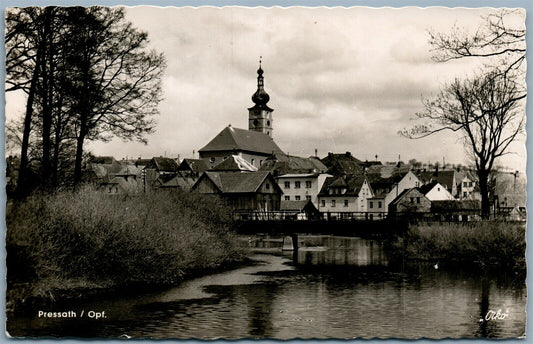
{"x": 286, "y": 224}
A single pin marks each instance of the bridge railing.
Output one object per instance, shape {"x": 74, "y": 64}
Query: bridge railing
{"x": 281, "y": 215}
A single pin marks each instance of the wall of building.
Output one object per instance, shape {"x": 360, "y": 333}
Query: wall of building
{"x": 304, "y": 192}
{"x": 407, "y": 182}
{"x": 439, "y": 193}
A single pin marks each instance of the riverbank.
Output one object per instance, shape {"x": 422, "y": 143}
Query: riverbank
{"x": 71, "y": 245}
{"x": 483, "y": 244}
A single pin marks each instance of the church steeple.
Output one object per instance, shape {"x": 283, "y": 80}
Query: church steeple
{"x": 260, "y": 115}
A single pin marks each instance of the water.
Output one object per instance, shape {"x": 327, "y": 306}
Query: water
{"x": 341, "y": 288}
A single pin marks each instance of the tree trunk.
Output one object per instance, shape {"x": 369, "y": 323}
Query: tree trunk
{"x": 79, "y": 154}
{"x": 22, "y": 181}
{"x": 483, "y": 177}
{"x": 46, "y": 165}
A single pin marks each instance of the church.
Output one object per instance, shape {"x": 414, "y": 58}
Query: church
{"x": 254, "y": 145}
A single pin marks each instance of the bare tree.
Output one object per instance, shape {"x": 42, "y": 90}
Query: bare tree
{"x": 488, "y": 108}
{"x": 116, "y": 80}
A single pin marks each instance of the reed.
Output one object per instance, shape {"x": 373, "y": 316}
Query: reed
{"x": 483, "y": 244}
{"x": 90, "y": 239}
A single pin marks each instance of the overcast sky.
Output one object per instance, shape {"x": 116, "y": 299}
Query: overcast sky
{"x": 338, "y": 79}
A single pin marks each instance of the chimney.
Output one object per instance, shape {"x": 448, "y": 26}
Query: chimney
{"x": 348, "y": 154}
{"x": 316, "y": 153}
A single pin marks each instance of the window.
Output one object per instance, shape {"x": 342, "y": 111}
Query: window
{"x": 225, "y": 157}
{"x": 297, "y": 198}
{"x": 469, "y": 184}
{"x": 438, "y": 189}
{"x": 308, "y": 198}
{"x": 345, "y": 202}
{"x": 417, "y": 184}
{"x": 333, "y": 203}
{"x": 465, "y": 184}
{"x": 379, "y": 204}
{"x": 287, "y": 185}
{"x": 260, "y": 162}
{"x": 287, "y": 198}
{"x": 267, "y": 186}
{"x": 418, "y": 200}
{"x": 308, "y": 184}
{"x": 323, "y": 203}
{"x": 253, "y": 161}
{"x": 465, "y": 194}
{"x": 412, "y": 200}
{"x": 371, "y": 204}
{"x": 211, "y": 160}
{"x": 296, "y": 184}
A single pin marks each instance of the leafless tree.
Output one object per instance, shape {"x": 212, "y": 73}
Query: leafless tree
{"x": 486, "y": 109}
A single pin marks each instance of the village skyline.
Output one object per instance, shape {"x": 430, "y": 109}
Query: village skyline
{"x": 339, "y": 80}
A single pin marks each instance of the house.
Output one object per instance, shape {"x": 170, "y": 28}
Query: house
{"x": 410, "y": 201}
{"x": 256, "y": 191}
{"x": 181, "y": 180}
{"x": 299, "y": 178}
{"x": 192, "y": 167}
{"x": 159, "y": 171}
{"x": 301, "y": 186}
{"x": 436, "y": 192}
{"x": 345, "y": 194}
{"x": 299, "y": 210}
{"x": 466, "y": 186}
{"x": 458, "y": 210}
{"x": 388, "y": 182}
{"x": 446, "y": 178}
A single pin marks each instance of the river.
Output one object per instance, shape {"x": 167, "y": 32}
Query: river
{"x": 340, "y": 288}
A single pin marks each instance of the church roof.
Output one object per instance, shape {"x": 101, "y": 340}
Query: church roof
{"x": 235, "y": 163}
{"x": 235, "y": 139}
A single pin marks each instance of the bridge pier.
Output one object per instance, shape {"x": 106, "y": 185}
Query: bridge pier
{"x": 294, "y": 238}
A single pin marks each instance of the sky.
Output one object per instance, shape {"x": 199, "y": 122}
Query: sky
{"x": 339, "y": 79}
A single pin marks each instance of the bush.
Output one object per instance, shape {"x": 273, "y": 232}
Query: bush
{"x": 106, "y": 240}
{"x": 483, "y": 244}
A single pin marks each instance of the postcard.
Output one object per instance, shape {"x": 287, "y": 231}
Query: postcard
{"x": 265, "y": 173}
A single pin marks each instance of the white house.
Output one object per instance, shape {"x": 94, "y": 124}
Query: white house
{"x": 436, "y": 192}
{"x": 301, "y": 186}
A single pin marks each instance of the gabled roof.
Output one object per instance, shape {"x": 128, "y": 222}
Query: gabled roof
{"x": 352, "y": 184}
{"x": 283, "y": 164}
{"x": 444, "y": 178}
{"x": 231, "y": 182}
{"x": 162, "y": 164}
{"x": 339, "y": 164}
{"x": 404, "y": 193}
{"x": 293, "y": 205}
{"x": 427, "y": 187}
{"x": 193, "y": 165}
{"x": 235, "y": 163}
{"x": 235, "y": 139}
{"x": 179, "y": 182}
{"x": 162, "y": 179}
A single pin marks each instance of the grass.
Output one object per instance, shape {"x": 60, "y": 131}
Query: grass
{"x": 89, "y": 239}
{"x": 483, "y": 244}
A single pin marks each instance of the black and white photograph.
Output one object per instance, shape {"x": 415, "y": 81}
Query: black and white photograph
{"x": 273, "y": 172}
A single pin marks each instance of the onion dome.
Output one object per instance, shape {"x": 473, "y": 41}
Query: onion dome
{"x": 260, "y": 97}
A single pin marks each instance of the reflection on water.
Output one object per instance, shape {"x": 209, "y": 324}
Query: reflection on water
{"x": 342, "y": 288}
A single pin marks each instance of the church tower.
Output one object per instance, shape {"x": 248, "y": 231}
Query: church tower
{"x": 260, "y": 115}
